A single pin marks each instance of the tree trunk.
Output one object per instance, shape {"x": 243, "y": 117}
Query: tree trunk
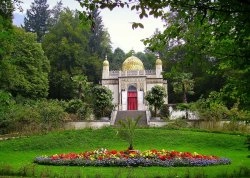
{"x": 130, "y": 147}
{"x": 155, "y": 110}
{"x": 184, "y": 97}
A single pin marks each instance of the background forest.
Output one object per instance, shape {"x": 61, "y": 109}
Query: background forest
{"x": 50, "y": 65}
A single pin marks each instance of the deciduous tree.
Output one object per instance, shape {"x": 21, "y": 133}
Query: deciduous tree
{"x": 66, "y": 48}
{"x": 155, "y": 97}
{"x": 102, "y": 101}
{"x": 25, "y": 71}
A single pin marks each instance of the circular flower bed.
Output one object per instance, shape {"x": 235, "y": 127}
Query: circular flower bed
{"x": 104, "y": 157}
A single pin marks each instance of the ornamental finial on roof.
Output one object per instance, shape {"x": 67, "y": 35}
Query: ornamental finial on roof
{"x": 158, "y": 60}
{"x": 158, "y": 56}
{"x": 132, "y": 51}
{"x": 106, "y": 62}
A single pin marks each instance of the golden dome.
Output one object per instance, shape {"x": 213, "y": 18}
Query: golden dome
{"x": 158, "y": 62}
{"x": 132, "y": 63}
{"x": 105, "y": 62}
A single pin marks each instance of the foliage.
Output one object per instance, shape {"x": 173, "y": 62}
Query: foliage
{"x": 51, "y": 114}
{"x": 177, "y": 124}
{"x": 155, "y": 97}
{"x": 148, "y": 59}
{"x": 116, "y": 59}
{"x": 104, "y": 157}
{"x": 6, "y": 100}
{"x": 183, "y": 107}
{"x": 74, "y": 105}
{"x": 6, "y": 9}
{"x": 213, "y": 109}
{"x": 37, "y": 17}
{"x": 6, "y": 103}
{"x": 32, "y": 116}
{"x": 164, "y": 112}
{"x": 248, "y": 143}
{"x": 65, "y": 47}
{"x": 235, "y": 127}
{"x": 99, "y": 41}
{"x": 82, "y": 86}
{"x": 25, "y": 70}
{"x": 82, "y": 109}
{"x": 85, "y": 112}
{"x": 102, "y": 101}
{"x": 55, "y": 14}
{"x": 126, "y": 130}
{"x": 92, "y": 68}
{"x": 182, "y": 83}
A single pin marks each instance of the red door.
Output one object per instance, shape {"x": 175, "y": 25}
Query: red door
{"x": 132, "y": 100}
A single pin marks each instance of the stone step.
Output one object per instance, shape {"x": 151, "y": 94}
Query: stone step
{"x": 121, "y": 115}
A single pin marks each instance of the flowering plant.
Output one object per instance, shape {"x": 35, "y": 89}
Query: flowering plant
{"x": 104, "y": 157}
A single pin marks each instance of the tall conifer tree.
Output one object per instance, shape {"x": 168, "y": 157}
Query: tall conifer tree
{"x": 36, "y": 19}
{"x": 99, "y": 42}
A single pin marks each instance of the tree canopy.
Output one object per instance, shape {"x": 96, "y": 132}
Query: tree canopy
{"x": 155, "y": 97}
{"x": 66, "y": 48}
{"x": 25, "y": 70}
{"x": 37, "y": 18}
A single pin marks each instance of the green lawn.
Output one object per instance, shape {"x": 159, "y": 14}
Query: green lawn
{"x": 16, "y": 155}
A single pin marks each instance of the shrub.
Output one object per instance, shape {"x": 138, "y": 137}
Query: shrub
{"x": 212, "y": 108}
{"x": 126, "y": 130}
{"x": 74, "y": 105}
{"x": 155, "y": 98}
{"x": 102, "y": 101}
{"x": 6, "y": 104}
{"x": 177, "y": 124}
{"x": 32, "y": 116}
{"x": 84, "y": 112}
{"x": 51, "y": 114}
{"x": 164, "y": 112}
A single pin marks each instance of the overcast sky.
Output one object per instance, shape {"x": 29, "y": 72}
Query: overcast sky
{"x": 118, "y": 24}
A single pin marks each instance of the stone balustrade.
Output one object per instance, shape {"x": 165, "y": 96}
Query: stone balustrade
{"x": 117, "y": 73}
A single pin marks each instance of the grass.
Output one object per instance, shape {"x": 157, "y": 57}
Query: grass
{"x": 16, "y": 155}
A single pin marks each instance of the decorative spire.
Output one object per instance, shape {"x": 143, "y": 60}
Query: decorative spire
{"x": 158, "y": 60}
{"x": 133, "y": 52}
{"x": 106, "y": 62}
{"x": 158, "y": 56}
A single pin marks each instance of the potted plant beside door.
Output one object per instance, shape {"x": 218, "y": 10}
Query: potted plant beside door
{"x": 155, "y": 98}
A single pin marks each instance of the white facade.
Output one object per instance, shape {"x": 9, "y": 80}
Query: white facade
{"x": 129, "y": 86}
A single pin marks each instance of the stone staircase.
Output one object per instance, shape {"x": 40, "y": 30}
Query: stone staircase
{"x": 132, "y": 114}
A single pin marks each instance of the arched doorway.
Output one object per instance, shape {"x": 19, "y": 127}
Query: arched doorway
{"x": 132, "y": 98}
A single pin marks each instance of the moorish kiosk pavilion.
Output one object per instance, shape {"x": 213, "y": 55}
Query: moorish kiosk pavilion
{"x": 129, "y": 85}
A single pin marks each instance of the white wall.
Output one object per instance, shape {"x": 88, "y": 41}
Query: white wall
{"x": 114, "y": 89}
{"x": 82, "y": 125}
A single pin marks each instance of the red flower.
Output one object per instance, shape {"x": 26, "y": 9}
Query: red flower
{"x": 113, "y": 152}
{"x": 154, "y": 151}
{"x": 162, "y": 157}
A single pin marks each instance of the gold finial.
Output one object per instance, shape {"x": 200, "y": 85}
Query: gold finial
{"x": 133, "y": 52}
{"x": 106, "y": 62}
{"x": 158, "y": 60}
